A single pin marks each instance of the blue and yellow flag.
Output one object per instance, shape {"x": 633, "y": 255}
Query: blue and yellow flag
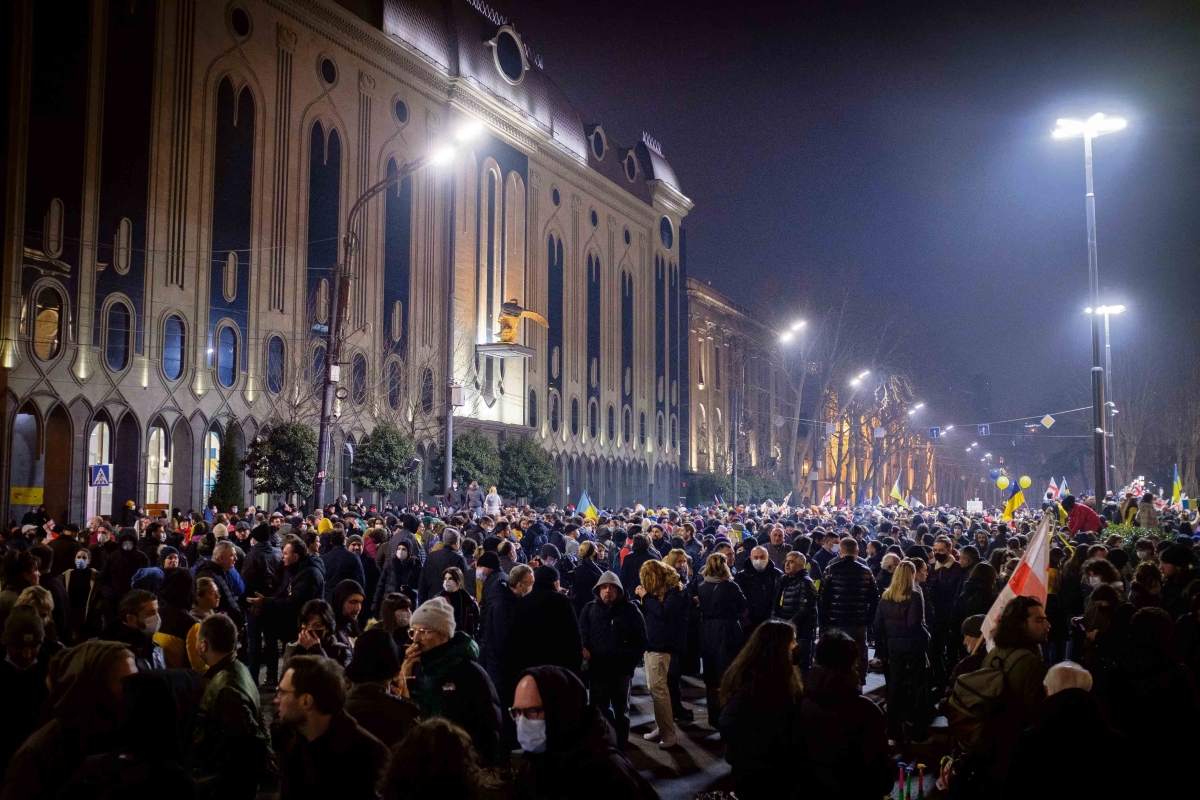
{"x": 1176, "y": 487}
{"x": 896, "y": 493}
{"x": 1016, "y": 499}
{"x": 585, "y": 508}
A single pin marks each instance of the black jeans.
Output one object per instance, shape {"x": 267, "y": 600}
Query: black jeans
{"x": 907, "y": 690}
{"x": 610, "y": 694}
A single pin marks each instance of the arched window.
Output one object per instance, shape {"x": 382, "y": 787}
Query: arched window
{"x": 158, "y": 467}
{"x": 359, "y": 387}
{"x": 658, "y": 430}
{"x": 47, "y": 324}
{"x": 574, "y": 416}
{"x": 119, "y": 330}
{"x": 674, "y": 432}
{"x": 427, "y": 391}
{"x": 642, "y": 428}
{"x": 226, "y": 356}
{"x": 212, "y": 460}
{"x": 612, "y": 423}
{"x": 172, "y": 348}
{"x": 593, "y": 420}
{"x": 99, "y": 498}
{"x": 275, "y": 368}
{"x": 555, "y": 412}
{"x": 318, "y": 363}
{"x": 533, "y": 408}
{"x": 394, "y": 384}
{"x": 626, "y": 425}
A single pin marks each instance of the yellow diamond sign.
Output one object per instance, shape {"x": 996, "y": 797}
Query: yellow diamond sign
{"x": 1047, "y": 420}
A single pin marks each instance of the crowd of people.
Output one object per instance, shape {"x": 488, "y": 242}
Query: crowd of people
{"x": 489, "y": 650}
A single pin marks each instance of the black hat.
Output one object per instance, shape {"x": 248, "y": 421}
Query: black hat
{"x": 545, "y": 574}
{"x": 1178, "y": 555}
{"x": 261, "y": 533}
{"x": 23, "y": 627}
{"x": 489, "y": 560}
{"x": 376, "y": 657}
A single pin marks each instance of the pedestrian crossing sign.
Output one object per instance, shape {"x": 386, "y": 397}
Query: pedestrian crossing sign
{"x": 101, "y": 475}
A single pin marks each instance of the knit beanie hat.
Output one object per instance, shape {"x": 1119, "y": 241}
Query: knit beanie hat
{"x": 435, "y": 614}
{"x": 489, "y": 560}
{"x": 1178, "y": 555}
{"x": 376, "y": 657}
{"x": 23, "y": 627}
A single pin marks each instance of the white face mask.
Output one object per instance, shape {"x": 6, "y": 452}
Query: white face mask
{"x": 449, "y": 585}
{"x": 1094, "y": 580}
{"x": 759, "y": 563}
{"x": 150, "y": 625}
{"x": 401, "y": 555}
{"x": 531, "y": 734}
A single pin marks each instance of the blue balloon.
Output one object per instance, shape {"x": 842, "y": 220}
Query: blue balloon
{"x": 993, "y": 473}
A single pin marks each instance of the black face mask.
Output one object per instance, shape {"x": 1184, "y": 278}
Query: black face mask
{"x": 942, "y": 557}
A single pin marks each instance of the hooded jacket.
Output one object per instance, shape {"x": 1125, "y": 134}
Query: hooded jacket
{"x": 615, "y": 636}
{"x": 397, "y": 576}
{"x": 452, "y": 685}
{"x": 119, "y": 568}
{"x": 581, "y": 760}
{"x": 346, "y": 629}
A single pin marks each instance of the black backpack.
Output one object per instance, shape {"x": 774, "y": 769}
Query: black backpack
{"x": 977, "y": 699}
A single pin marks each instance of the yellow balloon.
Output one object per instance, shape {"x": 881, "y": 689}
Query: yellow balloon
{"x": 1025, "y": 482}
{"x": 1002, "y": 482}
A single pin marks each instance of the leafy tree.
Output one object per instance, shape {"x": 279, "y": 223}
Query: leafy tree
{"x": 475, "y": 459}
{"x": 379, "y": 460}
{"x": 282, "y": 459}
{"x": 703, "y": 487}
{"x": 526, "y": 470}
{"x": 227, "y": 489}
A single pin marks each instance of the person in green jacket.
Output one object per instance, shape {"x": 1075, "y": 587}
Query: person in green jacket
{"x": 232, "y": 747}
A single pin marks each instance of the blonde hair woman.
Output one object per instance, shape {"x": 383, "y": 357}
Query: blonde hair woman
{"x": 902, "y": 639}
{"x": 665, "y": 608}
{"x": 722, "y": 609}
{"x": 491, "y": 503}
{"x": 42, "y": 602}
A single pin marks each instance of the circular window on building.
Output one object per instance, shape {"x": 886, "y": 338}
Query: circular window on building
{"x": 510, "y": 58}
{"x": 630, "y": 167}
{"x": 628, "y": 238}
{"x": 328, "y": 71}
{"x": 666, "y": 232}
{"x": 555, "y": 197}
{"x": 595, "y": 218}
{"x": 598, "y": 144}
{"x": 239, "y": 21}
{"x": 401, "y": 110}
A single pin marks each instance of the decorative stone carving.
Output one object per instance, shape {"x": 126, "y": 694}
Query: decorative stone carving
{"x": 285, "y": 38}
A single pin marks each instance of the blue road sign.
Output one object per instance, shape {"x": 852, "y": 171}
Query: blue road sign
{"x": 101, "y": 475}
{"x": 935, "y": 433}
{"x": 985, "y": 430}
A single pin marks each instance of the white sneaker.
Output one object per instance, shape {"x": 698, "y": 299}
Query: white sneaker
{"x": 652, "y": 736}
{"x": 667, "y": 744}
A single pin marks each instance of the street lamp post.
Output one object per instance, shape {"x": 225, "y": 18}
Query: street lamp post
{"x": 339, "y": 296}
{"x": 1110, "y": 404}
{"x": 1093, "y": 126}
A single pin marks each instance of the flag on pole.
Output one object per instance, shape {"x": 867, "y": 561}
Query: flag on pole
{"x": 1176, "y": 487}
{"x": 585, "y": 507}
{"x": 1028, "y": 580}
{"x": 1062, "y": 489}
{"x": 1053, "y": 490}
{"x": 1016, "y": 499}
{"x": 827, "y": 498}
{"x": 896, "y": 493}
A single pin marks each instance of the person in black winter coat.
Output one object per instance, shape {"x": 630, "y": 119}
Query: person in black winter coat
{"x": 370, "y": 572}
{"x": 848, "y": 598}
{"x": 544, "y": 630}
{"x": 759, "y": 582}
{"x": 401, "y": 573}
{"x": 438, "y": 562}
{"x": 262, "y": 573}
{"x": 901, "y": 640}
{"x": 613, "y": 633}
{"x": 304, "y": 580}
{"x": 218, "y": 568}
{"x": 585, "y": 576}
{"x": 798, "y": 605}
{"x": 409, "y": 525}
{"x": 119, "y": 568}
{"x": 722, "y": 610}
{"x": 941, "y": 590}
{"x": 340, "y": 564}
{"x": 639, "y": 553}
{"x": 498, "y": 612}
{"x": 977, "y": 595}
{"x": 577, "y": 756}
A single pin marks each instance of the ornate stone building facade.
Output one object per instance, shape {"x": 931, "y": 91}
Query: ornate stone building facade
{"x": 178, "y": 180}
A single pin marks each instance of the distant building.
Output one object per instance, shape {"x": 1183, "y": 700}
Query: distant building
{"x": 180, "y": 175}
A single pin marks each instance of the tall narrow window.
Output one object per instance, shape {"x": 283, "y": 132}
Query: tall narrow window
{"x": 172, "y": 348}
{"x": 427, "y": 391}
{"x": 642, "y": 428}
{"x": 52, "y": 229}
{"x": 117, "y": 347}
{"x": 226, "y": 356}
{"x": 593, "y": 420}
{"x": 275, "y": 374}
{"x": 574, "y": 416}
{"x": 212, "y": 460}
{"x": 47, "y": 324}
{"x": 555, "y": 412}
{"x": 318, "y": 363}
{"x": 359, "y": 388}
{"x": 612, "y": 423}
{"x": 230, "y": 277}
{"x": 533, "y": 408}
{"x": 158, "y": 467}
{"x": 99, "y": 498}
{"x": 394, "y": 384}
{"x": 122, "y": 246}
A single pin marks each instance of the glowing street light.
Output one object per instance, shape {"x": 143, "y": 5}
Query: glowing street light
{"x": 864, "y": 374}
{"x": 948, "y": 428}
{"x": 1090, "y": 128}
{"x": 798, "y": 324}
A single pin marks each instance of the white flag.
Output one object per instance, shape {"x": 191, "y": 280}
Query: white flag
{"x": 1028, "y": 580}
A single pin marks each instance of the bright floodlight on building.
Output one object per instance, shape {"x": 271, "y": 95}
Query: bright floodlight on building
{"x": 469, "y": 131}
{"x": 864, "y": 374}
{"x": 855, "y": 382}
{"x": 798, "y": 324}
{"x": 1093, "y": 126}
{"x": 786, "y": 336}
{"x": 443, "y": 155}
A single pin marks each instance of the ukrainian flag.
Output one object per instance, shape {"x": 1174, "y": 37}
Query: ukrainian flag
{"x": 1016, "y": 499}
{"x": 1176, "y": 487}
{"x": 585, "y": 507}
{"x": 896, "y": 493}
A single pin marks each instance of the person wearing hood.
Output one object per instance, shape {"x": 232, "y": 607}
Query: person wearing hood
{"x": 347, "y": 605}
{"x": 612, "y": 631}
{"x": 409, "y": 525}
{"x": 760, "y": 584}
{"x": 86, "y": 697}
{"x": 81, "y": 583}
{"x": 722, "y": 609}
{"x": 1069, "y": 707}
{"x": 570, "y": 749}
{"x": 441, "y": 674}
{"x": 374, "y": 668}
{"x": 640, "y": 552}
{"x": 316, "y": 637}
{"x": 176, "y": 597}
{"x": 119, "y": 569}
{"x": 544, "y": 629}
{"x": 466, "y": 610}
{"x": 401, "y": 573}
{"x": 1181, "y": 579}
{"x": 1080, "y": 516}
{"x": 501, "y": 593}
{"x": 304, "y": 580}
{"x": 340, "y": 565}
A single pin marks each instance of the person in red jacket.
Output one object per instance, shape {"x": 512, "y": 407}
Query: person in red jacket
{"x": 1080, "y": 516}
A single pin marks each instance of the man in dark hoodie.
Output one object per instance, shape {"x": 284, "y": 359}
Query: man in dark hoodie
{"x": 119, "y": 568}
{"x": 405, "y": 533}
{"x": 570, "y": 749}
{"x": 613, "y": 633}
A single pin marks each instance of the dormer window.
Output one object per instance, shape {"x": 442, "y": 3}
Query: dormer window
{"x": 509, "y": 55}
{"x": 598, "y": 144}
{"x": 631, "y": 167}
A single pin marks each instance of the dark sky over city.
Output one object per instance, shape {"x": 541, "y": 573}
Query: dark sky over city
{"x": 901, "y": 152}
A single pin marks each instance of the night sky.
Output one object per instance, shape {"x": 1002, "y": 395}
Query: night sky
{"x": 902, "y": 153}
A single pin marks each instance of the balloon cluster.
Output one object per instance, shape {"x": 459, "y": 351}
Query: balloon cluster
{"x": 1003, "y": 482}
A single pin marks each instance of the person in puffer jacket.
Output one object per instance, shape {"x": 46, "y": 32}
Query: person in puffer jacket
{"x": 798, "y": 605}
{"x": 902, "y": 639}
{"x": 847, "y": 599}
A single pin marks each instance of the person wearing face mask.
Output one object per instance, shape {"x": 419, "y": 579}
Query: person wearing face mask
{"x": 466, "y": 610}
{"x": 760, "y": 584}
{"x": 401, "y": 573}
{"x": 395, "y": 617}
{"x": 570, "y": 749}
{"x": 1099, "y": 572}
{"x": 119, "y": 568}
{"x": 138, "y": 621}
{"x": 80, "y": 583}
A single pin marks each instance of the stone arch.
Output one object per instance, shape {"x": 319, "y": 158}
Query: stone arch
{"x": 182, "y": 466}
{"x": 127, "y": 458}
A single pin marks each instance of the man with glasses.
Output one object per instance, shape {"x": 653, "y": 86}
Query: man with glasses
{"x": 441, "y": 674}
{"x": 327, "y": 753}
